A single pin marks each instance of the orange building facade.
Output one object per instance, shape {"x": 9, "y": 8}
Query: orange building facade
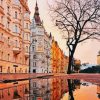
{"x": 59, "y": 61}
{"x": 14, "y": 36}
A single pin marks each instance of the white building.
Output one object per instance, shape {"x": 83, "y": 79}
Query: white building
{"x": 40, "y": 48}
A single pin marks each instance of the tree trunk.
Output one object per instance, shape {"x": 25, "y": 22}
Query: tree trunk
{"x": 70, "y": 63}
{"x": 71, "y": 55}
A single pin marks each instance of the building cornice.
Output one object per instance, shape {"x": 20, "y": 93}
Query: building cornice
{"x": 24, "y": 4}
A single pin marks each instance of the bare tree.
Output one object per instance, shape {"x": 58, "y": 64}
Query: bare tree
{"x": 79, "y": 20}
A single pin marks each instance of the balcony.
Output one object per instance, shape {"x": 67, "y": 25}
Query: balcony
{"x": 26, "y": 30}
{"x": 16, "y": 50}
{"x": 1, "y": 9}
{"x": 27, "y": 54}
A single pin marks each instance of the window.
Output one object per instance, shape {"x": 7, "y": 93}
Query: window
{"x": 0, "y": 69}
{"x": 34, "y": 64}
{"x": 34, "y": 40}
{"x": 8, "y": 9}
{"x": 8, "y": 23}
{"x": 16, "y": 15}
{"x": 27, "y": 25}
{"x": 8, "y": 70}
{"x": 34, "y": 57}
{"x": 34, "y": 84}
{"x": 33, "y": 48}
{"x": 2, "y": 55}
{"x": 8, "y": 57}
{"x": 1, "y": 36}
{"x": 1, "y": 2}
{"x": 20, "y": 71}
{"x": 16, "y": 29}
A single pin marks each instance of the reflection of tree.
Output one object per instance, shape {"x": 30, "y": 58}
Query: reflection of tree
{"x": 70, "y": 90}
{"x": 72, "y": 85}
{"x": 76, "y": 84}
{"x": 99, "y": 96}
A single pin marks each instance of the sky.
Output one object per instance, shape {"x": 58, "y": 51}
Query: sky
{"x": 86, "y": 52}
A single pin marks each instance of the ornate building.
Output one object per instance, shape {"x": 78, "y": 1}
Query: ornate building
{"x": 14, "y": 36}
{"x": 40, "y": 48}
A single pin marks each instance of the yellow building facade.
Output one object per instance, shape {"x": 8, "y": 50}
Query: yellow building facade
{"x": 14, "y": 36}
{"x": 59, "y": 61}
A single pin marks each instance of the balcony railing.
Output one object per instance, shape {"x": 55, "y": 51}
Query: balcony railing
{"x": 16, "y": 48}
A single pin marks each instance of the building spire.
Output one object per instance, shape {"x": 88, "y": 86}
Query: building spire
{"x": 36, "y": 15}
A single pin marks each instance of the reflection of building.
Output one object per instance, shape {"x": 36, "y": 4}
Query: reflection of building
{"x": 48, "y": 89}
{"x": 98, "y": 91}
{"x": 41, "y": 45}
{"x": 15, "y": 92}
{"x": 14, "y": 36}
{"x": 40, "y": 89}
{"x": 59, "y": 87}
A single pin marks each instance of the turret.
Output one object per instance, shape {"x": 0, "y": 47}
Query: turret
{"x": 36, "y": 15}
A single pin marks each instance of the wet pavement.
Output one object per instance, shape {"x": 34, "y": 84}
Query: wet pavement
{"x": 57, "y": 87}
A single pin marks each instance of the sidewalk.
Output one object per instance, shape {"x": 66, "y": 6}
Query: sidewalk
{"x": 23, "y": 76}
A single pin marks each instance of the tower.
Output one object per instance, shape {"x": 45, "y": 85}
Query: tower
{"x": 36, "y": 15}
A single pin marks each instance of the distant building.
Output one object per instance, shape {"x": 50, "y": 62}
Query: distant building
{"x": 40, "y": 48}
{"x": 98, "y": 58}
{"x": 58, "y": 59}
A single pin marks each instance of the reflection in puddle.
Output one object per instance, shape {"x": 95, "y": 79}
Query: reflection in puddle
{"x": 50, "y": 89}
